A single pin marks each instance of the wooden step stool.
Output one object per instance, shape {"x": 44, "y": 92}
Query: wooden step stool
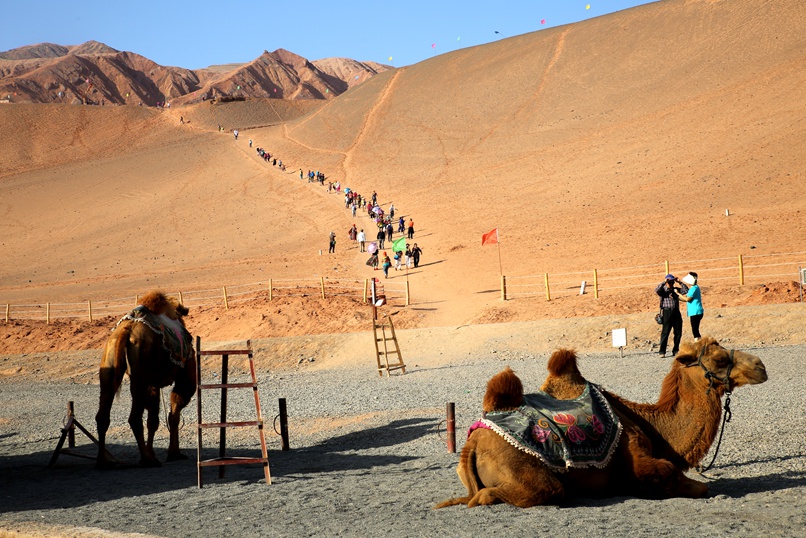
{"x": 383, "y": 325}
{"x": 222, "y": 460}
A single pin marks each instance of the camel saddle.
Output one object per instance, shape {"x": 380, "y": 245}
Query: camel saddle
{"x": 176, "y": 339}
{"x": 563, "y": 434}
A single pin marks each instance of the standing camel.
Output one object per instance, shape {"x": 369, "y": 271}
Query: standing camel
{"x": 657, "y": 442}
{"x": 139, "y": 346}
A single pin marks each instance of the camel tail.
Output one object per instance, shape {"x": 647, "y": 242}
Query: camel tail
{"x": 563, "y": 362}
{"x": 114, "y": 360}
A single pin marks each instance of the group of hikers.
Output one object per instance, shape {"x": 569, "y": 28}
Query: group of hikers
{"x": 384, "y": 222}
{"x": 266, "y": 156}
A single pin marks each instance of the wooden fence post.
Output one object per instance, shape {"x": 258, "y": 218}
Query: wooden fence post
{"x": 366, "y": 285}
{"x": 180, "y": 299}
{"x": 226, "y": 301}
{"x": 503, "y": 288}
{"x": 136, "y": 299}
{"x": 89, "y": 308}
{"x": 546, "y": 279}
{"x": 595, "y": 284}
{"x": 47, "y": 314}
{"x": 741, "y": 271}
{"x": 408, "y": 296}
{"x": 322, "y": 283}
{"x": 667, "y": 268}
{"x": 270, "y": 290}
{"x": 7, "y": 307}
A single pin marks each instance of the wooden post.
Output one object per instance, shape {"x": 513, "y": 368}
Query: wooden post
{"x": 450, "y": 426}
{"x": 322, "y": 283}
{"x": 270, "y": 290}
{"x": 667, "y": 268}
{"x": 47, "y": 314}
{"x": 503, "y": 288}
{"x": 7, "y": 307}
{"x": 136, "y": 298}
{"x": 284, "y": 425}
{"x": 408, "y": 296}
{"x": 226, "y": 301}
{"x": 180, "y": 299}
{"x": 71, "y": 434}
{"x": 89, "y": 308}
{"x": 741, "y": 271}
{"x": 548, "y": 293}
{"x": 366, "y": 286}
{"x": 595, "y": 284}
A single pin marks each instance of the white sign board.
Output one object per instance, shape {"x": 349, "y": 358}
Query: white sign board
{"x": 803, "y": 276}
{"x": 619, "y": 337}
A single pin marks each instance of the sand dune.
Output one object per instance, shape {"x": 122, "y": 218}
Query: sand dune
{"x": 615, "y": 142}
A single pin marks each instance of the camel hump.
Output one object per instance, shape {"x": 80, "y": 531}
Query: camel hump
{"x": 159, "y": 304}
{"x": 563, "y": 362}
{"x": 564, "y": 381}
{"x": 504, "y": 392}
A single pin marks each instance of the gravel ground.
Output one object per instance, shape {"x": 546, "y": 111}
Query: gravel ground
{"x": 367, "y": 459}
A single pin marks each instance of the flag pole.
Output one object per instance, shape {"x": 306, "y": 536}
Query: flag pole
{"x": 498, "y": 241}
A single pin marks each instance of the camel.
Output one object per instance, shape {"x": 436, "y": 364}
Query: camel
{"x": 657, "y": 443}
{"x": 135, "y": 348}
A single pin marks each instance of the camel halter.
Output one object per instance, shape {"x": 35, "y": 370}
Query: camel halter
{"x": 711, "y": 377}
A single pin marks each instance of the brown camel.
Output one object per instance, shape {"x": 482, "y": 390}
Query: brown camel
{"x": 657, "y": 444}
{"x": 137, "y": 349}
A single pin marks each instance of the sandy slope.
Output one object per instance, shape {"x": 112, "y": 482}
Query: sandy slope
{"x": 615, "y": 142}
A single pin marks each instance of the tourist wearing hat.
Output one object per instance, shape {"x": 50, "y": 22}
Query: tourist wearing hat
{"x": 670, "y": 311}
{"x": 694, "y": 307}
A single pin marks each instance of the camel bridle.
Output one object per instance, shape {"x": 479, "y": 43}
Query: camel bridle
{"x": 711, "y": 377}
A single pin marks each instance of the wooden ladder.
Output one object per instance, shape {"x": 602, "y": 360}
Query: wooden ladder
{"x": 383, "y": 325}
{"x": 222, "y": 460}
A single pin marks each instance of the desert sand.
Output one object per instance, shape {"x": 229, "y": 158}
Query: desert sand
{"x": 618, "y": 142}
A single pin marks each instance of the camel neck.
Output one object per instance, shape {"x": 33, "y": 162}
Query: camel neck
{"x": 684, "y": 421}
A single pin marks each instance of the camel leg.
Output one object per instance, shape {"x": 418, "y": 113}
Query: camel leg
{"x": 183, "y": 391}
{"x": 108, "y": 390}
{"x": 177, "y": 404}
{"x": 142, "y": 397}
{"x": 656, "y": 477}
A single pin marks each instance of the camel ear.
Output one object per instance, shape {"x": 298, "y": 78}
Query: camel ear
{"x": 689, "y": 351}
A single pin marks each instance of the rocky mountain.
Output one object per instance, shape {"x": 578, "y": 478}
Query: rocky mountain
{"x": 95, "y": 73}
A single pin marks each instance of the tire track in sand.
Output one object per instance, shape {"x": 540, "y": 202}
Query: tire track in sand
{"x": 558, "y": 49}
{"x": 369, "y": 121}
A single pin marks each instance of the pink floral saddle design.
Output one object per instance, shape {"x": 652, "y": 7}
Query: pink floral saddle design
{"x": 564, "y": 434}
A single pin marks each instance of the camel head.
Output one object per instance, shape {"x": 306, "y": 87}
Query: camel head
{"x": 504, "y": 392}
{"x": 721, "y": 368}
{"x": 158, "y": 303}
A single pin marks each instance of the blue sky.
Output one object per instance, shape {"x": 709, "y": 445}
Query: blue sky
{"x": 200, "y": 33}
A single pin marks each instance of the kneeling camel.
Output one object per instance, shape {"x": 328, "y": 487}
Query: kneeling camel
{"x": 657, "y": 444}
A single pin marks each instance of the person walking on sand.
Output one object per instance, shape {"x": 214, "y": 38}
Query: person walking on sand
{"x": 670, "y": 313}
{"x": 250, "y": 142}
{"x": 411, "y": 229}
{"x": 401, "y": 226}
{"x": 362, "y": 240}
{"x": 415, "y": 254}
{"x": 235, "y": 132}
{"x": 386, "y": 264}
{"x": 408, "y": 256}
{"x": 381, "y": 237}
{"x": 398, "y": 256}
{"x": 694, "y": 307}
{"x": 332, "y": 249}
{"x": 353, "y": 233}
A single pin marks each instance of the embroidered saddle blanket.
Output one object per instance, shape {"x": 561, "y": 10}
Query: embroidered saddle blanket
{"x": 176, "y": 339}
{"x": 563, "y": 434}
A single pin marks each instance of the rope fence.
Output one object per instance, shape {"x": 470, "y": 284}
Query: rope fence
{"x": 226, "y": 296}
{"x": 742, "y": 270}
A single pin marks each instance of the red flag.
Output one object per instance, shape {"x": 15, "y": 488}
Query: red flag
{"x": 490, "y": 238}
